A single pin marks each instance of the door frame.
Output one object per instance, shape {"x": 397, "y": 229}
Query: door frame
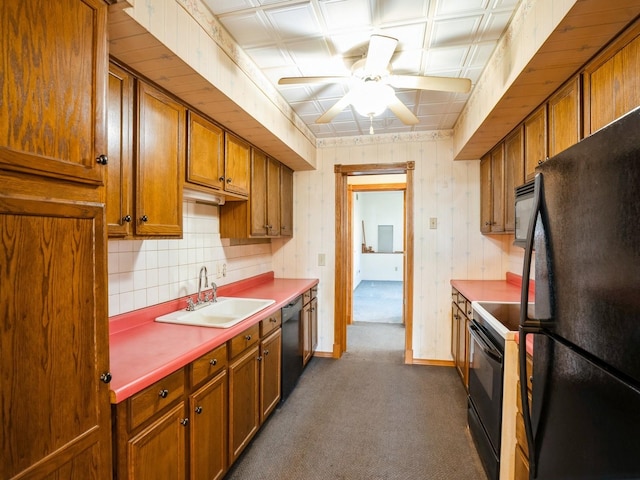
{"x": 344, "y": 258}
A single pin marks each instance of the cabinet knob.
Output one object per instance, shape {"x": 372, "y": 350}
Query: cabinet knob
{"x": 213, "y": 362}
{"x": 266, "y": 352}
{"x": 144, "y": 218}
{"x": 247, "y": 337}
{"x": 259, "y": 358}
{"x": 272, "y": 320}
{"x": 198, "y": 409}
{"x": 106, "y": 377}
{"x": 102, "y": 159}
{"x": 221, "y": 179}
{"x": 229, "y": 180}
{"x": 184, "y": 422}
{"x": 126, "y": 218}
{"x": 163, "y": 393}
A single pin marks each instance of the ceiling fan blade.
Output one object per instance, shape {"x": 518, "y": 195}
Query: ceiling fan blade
{"x": 302, "y": 80}
{"x": 443, "y": 84}
{"x": 337, "y": 107}
{"x": 381, "y": 49}
{"x": 401, "y": 111}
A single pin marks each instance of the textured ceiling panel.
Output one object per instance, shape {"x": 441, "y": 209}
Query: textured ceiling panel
{"x": 292, "y": 38}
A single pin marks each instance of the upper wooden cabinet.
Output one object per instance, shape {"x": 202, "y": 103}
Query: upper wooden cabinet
{"x": 237, "y": 161}
{"x": 54, "y": 72}
{"x": 564, "y": 117}
{"x": 205, "y": 153}
{"x": 286, "y": 201}
{"x": 159, "y": 163}
{"x": 269, "y": 212}
{"x": 119, "y": 196}
{"x": 513, "y": 175}
{"x": 535, "y": 140}
{"x": 612, "y": 81}
{"x": 492, "y": 191}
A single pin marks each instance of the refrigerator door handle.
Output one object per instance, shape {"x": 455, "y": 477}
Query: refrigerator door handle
{"x": 528, "y": 325}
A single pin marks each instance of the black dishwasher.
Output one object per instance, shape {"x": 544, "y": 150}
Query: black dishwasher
{"x": 291, "y": 347}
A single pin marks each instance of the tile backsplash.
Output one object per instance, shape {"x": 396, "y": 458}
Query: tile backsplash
{"x": 146, "y": 272}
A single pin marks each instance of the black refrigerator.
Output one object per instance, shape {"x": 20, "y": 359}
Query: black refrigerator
{"x": 584, "y": 420}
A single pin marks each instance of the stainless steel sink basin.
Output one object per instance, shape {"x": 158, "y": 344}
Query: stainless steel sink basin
{"x": 224, "y": 313}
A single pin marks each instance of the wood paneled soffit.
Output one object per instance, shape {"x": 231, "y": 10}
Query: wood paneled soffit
{"x": 138, "y": 49}
{"x": 587, "y": 28}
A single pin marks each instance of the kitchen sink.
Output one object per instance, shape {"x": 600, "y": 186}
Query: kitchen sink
{"x": 224, "y": 313}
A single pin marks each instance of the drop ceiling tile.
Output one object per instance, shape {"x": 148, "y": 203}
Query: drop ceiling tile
{"x": 480, "y": 53}
{"x": 294, "y": 21}
{"x": 495, "y": 25}
{"x": 268, "y": 57}
{"x": 312, "y": 57}
{"x": 407, "y": 62}
{"x": 345, "y": 14}
{"x": 449, "y": 7}
{"x": 219, "y": 8}
{"x": 391, "y": 11}
{"x": 306, "y": 108}
{"x": 439, "y": 59}
{"x": 455, "y": 31}
{"x": 248, "y": 28}
{"x": 409, "y": 36}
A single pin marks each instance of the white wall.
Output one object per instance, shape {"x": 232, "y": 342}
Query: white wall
{"x": 382, "y": 266}
{"x": 146, "y": 272}
{"x": 443, "y": 188}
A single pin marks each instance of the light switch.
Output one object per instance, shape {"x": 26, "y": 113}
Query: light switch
{"x": 322, "y": 261}
{"x": 433, "y": 223}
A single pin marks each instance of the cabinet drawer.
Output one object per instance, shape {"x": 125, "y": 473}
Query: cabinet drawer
{"x": 306, "y": 297}
{"x": 268, "y": 325}
{"x": 208, "y": 365}
{"x": 143, "y": 405}
{"x": 521, "y": 435}
{"x": 244, "y": 340}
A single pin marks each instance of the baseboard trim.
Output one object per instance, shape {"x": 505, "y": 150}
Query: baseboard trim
{"x": 434, "y": 363}
{"x": 323, "y": 354}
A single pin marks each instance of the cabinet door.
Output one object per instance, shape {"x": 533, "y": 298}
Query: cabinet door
{"x": 286, "y": 201}
{"x": 159, "y": 164}
{"x": 305, "y": 333}
{"x": 612, "y": 84}
{"x": 535, "y": 141}
{"x": 513, "y": 175}
{"x": 159, "y": 451}
{"x": 270, "y": 377}
{"x": 258, "y": 200}
{"x": 244, "y": 401}
{"x": 237, "y": 165}
{"x": 497, "y": 189}
{"x": 53, "y": 80}
{"x": 564, "y": 117}
{"x": 314, "y": 325}
{"x": 55, "y": 413}
{"x": 205, "y": 153}
{"x": 273, "y": 197}
{"x": 486, "y": 195}
{"x": 208, "y": 410}
{"x": 119, "y": 184}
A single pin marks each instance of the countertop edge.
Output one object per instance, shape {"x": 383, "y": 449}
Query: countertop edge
{"x": 203, "y": 339}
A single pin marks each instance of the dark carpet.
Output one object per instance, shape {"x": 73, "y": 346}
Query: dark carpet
{"x": 378, "y": 301}
{"x": 367, "y": 416}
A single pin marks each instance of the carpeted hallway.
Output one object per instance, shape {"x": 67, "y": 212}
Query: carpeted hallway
{"x": 367, "y": 416}
{"x": 378, "y": 301}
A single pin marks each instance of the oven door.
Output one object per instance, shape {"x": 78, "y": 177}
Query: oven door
{"x": 485, "y": 384}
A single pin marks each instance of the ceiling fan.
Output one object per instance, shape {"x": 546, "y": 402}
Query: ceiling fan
{"x": 371, "y": 84}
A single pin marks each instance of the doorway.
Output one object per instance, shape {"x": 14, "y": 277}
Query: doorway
{"x": 344, "y": 251}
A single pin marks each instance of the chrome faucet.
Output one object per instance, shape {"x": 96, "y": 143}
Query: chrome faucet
{"x": 214, "y": 292}
{"x": 203, "y": 269}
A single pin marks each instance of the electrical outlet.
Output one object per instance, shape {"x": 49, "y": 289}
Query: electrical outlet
{"x": 224, "y": 269}
{"x": 322, "y": 260}
{"x": 433, "y": 223}
{"x": 218, "y": 270}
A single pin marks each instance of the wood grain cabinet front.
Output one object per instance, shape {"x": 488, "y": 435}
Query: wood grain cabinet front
{"x": 205, "y": 153}
{"x": 237, "y": 165}
{"x": 270, "y": 373}
{"x": 460, "y": 314}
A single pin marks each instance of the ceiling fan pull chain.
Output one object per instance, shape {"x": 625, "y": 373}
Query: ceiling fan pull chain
{"x": 371, "y": 126}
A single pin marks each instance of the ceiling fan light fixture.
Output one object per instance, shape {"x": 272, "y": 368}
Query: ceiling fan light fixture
{"x": 372, "y": 98}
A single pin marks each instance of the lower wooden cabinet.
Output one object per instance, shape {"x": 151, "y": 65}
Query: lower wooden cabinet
{"x": 460, "y": 315}
{"x": 270, "y": 373}
{"x": 244, "y": 398}
{"x": 309, "y": 325}
{"x": 208, "y": 441}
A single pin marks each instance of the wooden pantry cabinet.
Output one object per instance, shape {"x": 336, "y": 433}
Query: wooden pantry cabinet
{"x": 55, "y": 414}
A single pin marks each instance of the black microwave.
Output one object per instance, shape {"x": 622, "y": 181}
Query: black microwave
{"x": 524, "y": 205}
